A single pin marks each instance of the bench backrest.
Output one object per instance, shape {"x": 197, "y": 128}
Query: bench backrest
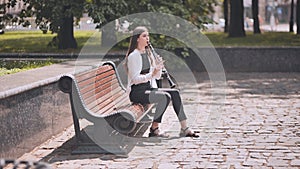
{"x": 101, "y": 90}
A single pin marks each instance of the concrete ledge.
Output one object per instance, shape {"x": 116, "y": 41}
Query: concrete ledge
{"x": 33, "y": 109}
{"x": 260, "y": 59}
{"x": 32, "y": 117}
{"x": 234, "y": 59}
{"x": 250, "y": 59}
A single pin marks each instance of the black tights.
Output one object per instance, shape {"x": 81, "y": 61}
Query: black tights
{"x": 162, "y": 97}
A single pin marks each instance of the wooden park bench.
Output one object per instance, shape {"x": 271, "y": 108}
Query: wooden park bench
{"x": 98, "y": 100}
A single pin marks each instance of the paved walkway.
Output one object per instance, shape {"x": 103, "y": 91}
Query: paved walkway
{"x": 258, "y": 126}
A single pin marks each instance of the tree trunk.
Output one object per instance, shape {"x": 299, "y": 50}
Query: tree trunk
{"x": 66, "y": 34}
{"x": 292, "y": 17}
{"x": 236, "y": 25}
{"x": 255, "y": 8}
{"x": 108, "y": 36}
{"x": 298, "y": 17}
{"x": 225, "y": 6}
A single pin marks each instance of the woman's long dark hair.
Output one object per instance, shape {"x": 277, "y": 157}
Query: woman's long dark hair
{"x": 133, "y": 42}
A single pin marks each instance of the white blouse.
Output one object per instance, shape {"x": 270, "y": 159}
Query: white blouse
{"x": 135, "y": 65}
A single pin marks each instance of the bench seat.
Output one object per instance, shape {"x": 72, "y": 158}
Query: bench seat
{"x": 99, "y": 96}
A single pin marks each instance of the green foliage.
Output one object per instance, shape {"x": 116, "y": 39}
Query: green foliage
{"x": 24, "y": 64}
{"x": 14, "y": 66}
{"x": 104, "y": 11}
{"x": 195, "y": 11}
{"x": 55, "y": 12}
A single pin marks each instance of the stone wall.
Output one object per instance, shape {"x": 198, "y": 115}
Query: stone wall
{"x": 234, "y": 59}
{"x": 29, "y": 118}
{"x": 249, "y": 59}
{"x": 279, "y": 59}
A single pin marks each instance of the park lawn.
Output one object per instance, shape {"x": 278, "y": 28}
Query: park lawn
{"x": 37, "y": 42}
{"x": 32, "y": 42}
{"x": 266, "y": 39}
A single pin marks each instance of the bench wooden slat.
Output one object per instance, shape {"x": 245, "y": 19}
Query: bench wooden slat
{"x": 98, "y": 92}
{"x": 102, "y": 103}
{"x": 116, "y": 103}
{"x": 87, "y": 74}
{"x": 112, "y": 104}
{"x": 91, "y": 81}
{"x": 103, "y": 94}
{"x": 99, "y": 103}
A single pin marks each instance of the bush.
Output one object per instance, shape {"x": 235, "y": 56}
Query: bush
{"x": 14, "y": 66}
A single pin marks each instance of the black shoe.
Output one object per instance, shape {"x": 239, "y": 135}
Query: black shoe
{"x": 156, "y": 133}
{"x": 187, "y": 133}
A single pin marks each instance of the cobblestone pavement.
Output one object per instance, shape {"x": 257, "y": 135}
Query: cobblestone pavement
{"x": 257, "y": 126}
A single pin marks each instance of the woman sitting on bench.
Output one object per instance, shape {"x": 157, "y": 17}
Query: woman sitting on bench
{"x": 143, "y": 70}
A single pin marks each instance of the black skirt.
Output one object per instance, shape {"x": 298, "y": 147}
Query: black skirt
{"x": 138, "y": 95}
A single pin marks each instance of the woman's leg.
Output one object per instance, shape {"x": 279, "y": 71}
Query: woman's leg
{"x": 162, "y": 99}
{"x": 178, "y": 108}
{"x": 177, "y": 104}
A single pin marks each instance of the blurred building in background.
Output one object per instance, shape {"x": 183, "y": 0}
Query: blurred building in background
{"x": 280, "y": 10}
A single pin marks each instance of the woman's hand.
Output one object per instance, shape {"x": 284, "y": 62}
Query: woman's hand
{"x": 155, "y": 72}
{"x": 158, "y": 68}
{"x": 159, "y": 62}
{"x": 159, "y": 65}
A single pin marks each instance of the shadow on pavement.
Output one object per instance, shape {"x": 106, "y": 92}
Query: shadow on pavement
{"x": 65, "y": 152}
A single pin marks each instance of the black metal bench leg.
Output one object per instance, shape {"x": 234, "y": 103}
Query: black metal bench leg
{"x": 78, "y": 135}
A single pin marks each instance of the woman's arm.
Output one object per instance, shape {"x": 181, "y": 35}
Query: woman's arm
{"x": 134, "y": 69}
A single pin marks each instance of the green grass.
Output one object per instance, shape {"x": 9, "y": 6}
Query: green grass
{"x": 267, "y": 39}
{"x": 32, "y": 42}
{"x": 14, "y": 66}
{"x": 36, "y": 41}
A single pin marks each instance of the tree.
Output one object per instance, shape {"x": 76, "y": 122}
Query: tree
{"x": 2, "y": 12}
{"x": 103, "y": 12}
{"x": 298, "y": 17}
{"x": 255, "y": 8}
{"x": 236, "y": 25}
{"x": 225, "y": 10}
{"x": 196, "y": 12}
{"x": 292, "y": 17}
{"x": 60, "y": 14}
